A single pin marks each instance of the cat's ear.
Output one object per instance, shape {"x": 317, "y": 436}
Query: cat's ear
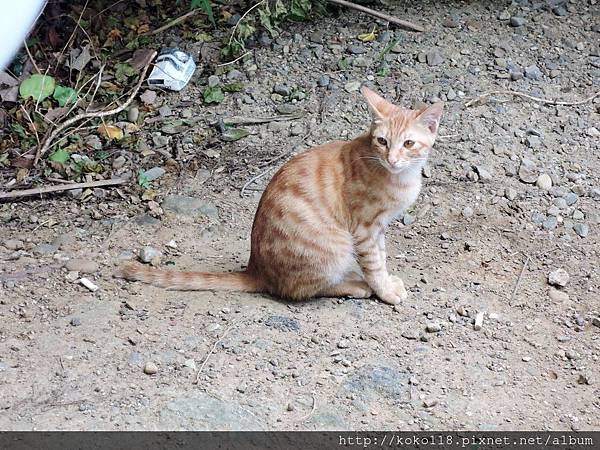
{"x": 377, "y": 104}
{"x": 430, "y": 117}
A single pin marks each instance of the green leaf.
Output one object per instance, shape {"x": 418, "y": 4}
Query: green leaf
{"x": 280, "y": 9}
{"x": 343, "y": 64}
{"x": 265, "y": 19}
{"x": 124, "y": 71}
{"x": 64, "y": 95}
{"x": 60, "y": 156}
{"x": 245, "y": 30}
{"x": 213, "y": 95}
{"x": 143, "y": 180}
{"x": 206, "y": 7}
{"x": 37, "y": 86}
{"x": 235, "y": 134}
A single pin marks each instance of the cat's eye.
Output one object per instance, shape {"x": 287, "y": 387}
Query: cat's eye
{"x": 409, "y": 144}
{"x": 382, "y": 141}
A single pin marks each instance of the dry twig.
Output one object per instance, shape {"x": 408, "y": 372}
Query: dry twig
{"x": 242, "y": 18}
{"x": 35, "y": 66}
{"x": 197, "y": 380}
{"x": 235, "y": 60}
{"x": 95, "y": 114}
{"x": 514, "y": 293}
{"x": 174, "y": 22}
{"x": 312, "y": 410}
{"x": 530, "y": 97}
{"x": 64, "y": 187}
{"x": 402, "y": 23}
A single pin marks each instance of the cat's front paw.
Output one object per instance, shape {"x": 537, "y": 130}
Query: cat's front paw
{"x": 396, "y": 291}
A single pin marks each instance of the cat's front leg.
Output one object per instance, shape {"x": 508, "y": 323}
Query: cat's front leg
{"x": 371, "y": 259}
{"x": 396, "y": 281}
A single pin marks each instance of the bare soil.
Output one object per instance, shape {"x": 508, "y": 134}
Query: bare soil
{"x": 72, "y": 359}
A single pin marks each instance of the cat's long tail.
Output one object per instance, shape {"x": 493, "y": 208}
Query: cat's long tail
{"x": 190, "y": 281}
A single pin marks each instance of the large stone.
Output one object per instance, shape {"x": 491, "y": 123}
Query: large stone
{"x": 203, "y": 412}
{"x": 377, "y": 381}
{"x": 189, "y": 206}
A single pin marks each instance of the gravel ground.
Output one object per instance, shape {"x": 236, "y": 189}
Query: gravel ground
{"x": 505, "y": 229}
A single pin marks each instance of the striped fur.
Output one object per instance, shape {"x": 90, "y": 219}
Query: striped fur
{"x": 319, "y": 227}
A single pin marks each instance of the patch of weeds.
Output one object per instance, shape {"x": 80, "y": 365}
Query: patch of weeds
{"x": 384, "y": 71}
{"x": 343, "y": 64}
{"x": 270, "y": 15}
{"x": 213, "y": 95}
{"x": 234, "y": 87}
{"x": 143, "y": 181}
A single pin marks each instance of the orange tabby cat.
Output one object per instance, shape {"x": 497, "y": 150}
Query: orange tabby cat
{"x": 319, "y": 227}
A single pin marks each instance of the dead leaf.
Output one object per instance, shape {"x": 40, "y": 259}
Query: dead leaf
{"x": 23, "y": 162}
{"x": 114, "y": 34}
{"x": 7, "y": 79}
{"x": 140, "y": 58}
{"x": 10, "y": 94}
{"x": 55, "y": 113}
{"x": 53, "y": 38}
{"x": 22, "y": 174}
{"x": 367, "y": 37}
{"x": 144, "y": 28}
{"x": 131, "y": 128}
{"x": 79, "y": 58}
{"x": 110, "y": 131}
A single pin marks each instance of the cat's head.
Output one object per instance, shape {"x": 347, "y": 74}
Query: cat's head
{"x": 401, "y": 138}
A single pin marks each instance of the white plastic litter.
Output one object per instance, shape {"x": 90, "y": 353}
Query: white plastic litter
{"x": 173, "y": 70}
{"x": 88, "y": 284}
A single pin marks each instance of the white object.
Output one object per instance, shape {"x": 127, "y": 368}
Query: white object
{"x": 88, "y": 284}
{"x": 172, "y": 70}
{"x": 16, "y": 21}
{"x": 478, "y": 321}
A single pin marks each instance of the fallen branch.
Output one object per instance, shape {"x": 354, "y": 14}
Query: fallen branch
{"x": 95, "y": 114}
{"x": 64, "y": 187}
{"x": 241, "y": 120}
{"x": 402, "y": 23}
{"x": 531, "y": 97}
{"x": 174, "y": 22}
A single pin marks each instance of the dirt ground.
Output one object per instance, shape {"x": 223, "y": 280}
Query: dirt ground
{"x": 483, "y": 237}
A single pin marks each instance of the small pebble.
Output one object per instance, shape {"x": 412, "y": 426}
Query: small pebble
{"x": 150, "y": 368}
{"x": 344, "y": 343}
{"x": 544, "y": 182}
{"x": 75, "y": 321}
{"x": 148, "y": 253}
{"x": 517, "y": 21}
{"x": 433, "y": 327}
{"x": 558, "y": 277}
